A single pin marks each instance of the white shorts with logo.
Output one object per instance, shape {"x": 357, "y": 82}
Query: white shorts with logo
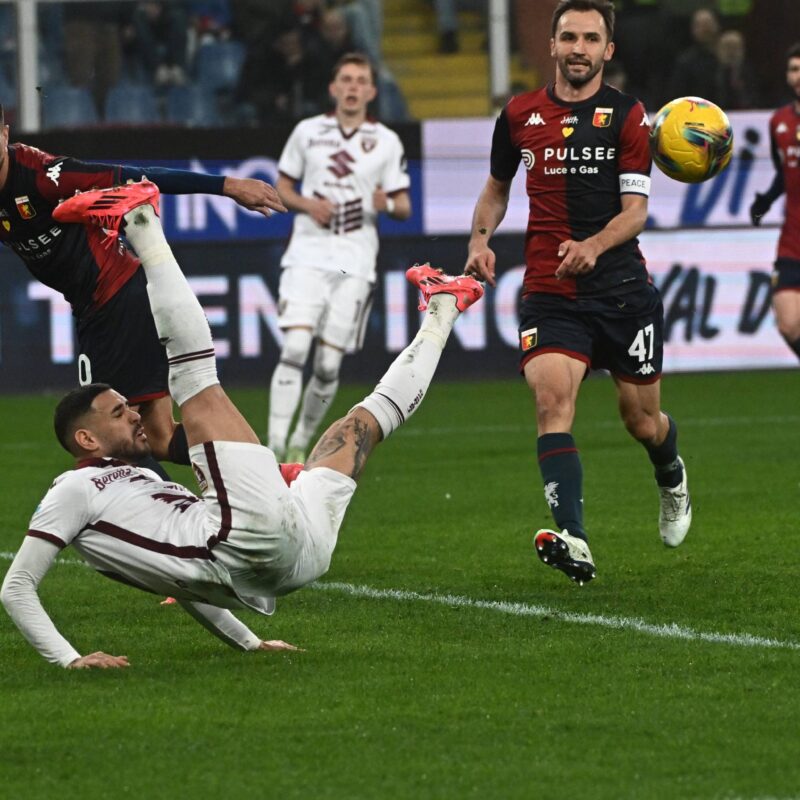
{"x": 335, "y": 305}
{"x": 272, "y": 538}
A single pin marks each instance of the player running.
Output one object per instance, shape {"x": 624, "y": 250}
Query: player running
{"x": 257, "y": 532}
{"x": 99, "y": 278}
{"x": 352, "y": 168}
{"x": 587, "y": 298}
{"x": 784, "y": 133}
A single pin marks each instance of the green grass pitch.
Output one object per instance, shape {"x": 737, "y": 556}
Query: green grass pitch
{"x": 409, "y": 686}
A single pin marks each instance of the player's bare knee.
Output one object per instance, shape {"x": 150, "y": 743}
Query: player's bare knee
{"x": 640, "y": 424}
{"x": 296, "y": 345}
{"x": 789, "y": 327}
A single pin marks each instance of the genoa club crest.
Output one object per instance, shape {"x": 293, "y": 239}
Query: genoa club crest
{"x": 26, "y": 210}
{"x": 602, "y": 117}
{"x": 528, "y": 339}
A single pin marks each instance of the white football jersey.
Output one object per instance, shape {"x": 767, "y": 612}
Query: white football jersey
{"x": 346, "y": 169}
{"x": 135, "y": 528}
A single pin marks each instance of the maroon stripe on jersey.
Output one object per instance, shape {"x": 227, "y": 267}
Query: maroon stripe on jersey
{"x": 196, "y": 356}
{"x": 557, "y": 452}
{"x": 48, "y": 537}
{"x": 222, "y": 495}
{"x": 137, "y": 540}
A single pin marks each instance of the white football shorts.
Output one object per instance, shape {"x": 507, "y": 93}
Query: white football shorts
{"x": 336, "y": 306}
{"x": 272, "y": 538}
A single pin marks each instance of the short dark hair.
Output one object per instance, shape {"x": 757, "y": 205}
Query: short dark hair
{"x": 355, "y": 58}
{"x": 71, "y": 409}
{"x": 603, "y": 7}
{"x": 793, "y": 52}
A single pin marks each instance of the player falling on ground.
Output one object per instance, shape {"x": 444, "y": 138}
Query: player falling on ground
{"x": 352, "y": 168}
{"x": 100, "y": 279}
{"x": 254, "y": 534}
{"x": 587, "y": 298}
{"x": 784, "y": 134}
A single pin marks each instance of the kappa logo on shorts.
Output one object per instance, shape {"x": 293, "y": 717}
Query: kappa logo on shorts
{"x": 201, "y": 479}
{"x": 646, "y": 369}
{"x": 528, "y": 339}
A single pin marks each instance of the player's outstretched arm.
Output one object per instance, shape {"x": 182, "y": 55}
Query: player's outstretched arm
{"x": 253, "y": 194}
{"x": 20, "y": 598}
{"x": 489, "y": 212}
{"x": 225, "y": 626}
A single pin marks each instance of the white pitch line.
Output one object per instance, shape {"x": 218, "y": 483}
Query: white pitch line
{"x": 612, "y": 422}
{"x": 666, "y": 631}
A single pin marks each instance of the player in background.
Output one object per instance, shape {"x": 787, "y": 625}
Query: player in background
{"x": 101, "y": 279}
{"x": 351, "y": 168}
{"x": 588, "y": 301}
{"x": 257, "y": 532}
{"x": 784, "y": 133}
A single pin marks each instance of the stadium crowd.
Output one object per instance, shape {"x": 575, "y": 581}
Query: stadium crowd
{"x": 246, "y": 62}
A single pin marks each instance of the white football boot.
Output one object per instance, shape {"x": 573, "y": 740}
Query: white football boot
{"x": 675, "y": 516}
{"x": 565, "y": 552}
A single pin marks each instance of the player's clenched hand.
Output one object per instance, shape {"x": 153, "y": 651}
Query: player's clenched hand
{"x": 759, "y": 207}
{"x": 277, "y": 644}
{"x": 577, "y": 258}
{"x": 321, "y": 210}
{"x": 100, "y": 661}
{"x": 253, "y": 194}
{"x": 480, "y": 264}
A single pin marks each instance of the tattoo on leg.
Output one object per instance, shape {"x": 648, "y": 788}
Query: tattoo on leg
{"x": 351, "y": 435}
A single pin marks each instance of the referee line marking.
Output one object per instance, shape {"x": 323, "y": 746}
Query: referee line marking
{"x": 662, "y": 631}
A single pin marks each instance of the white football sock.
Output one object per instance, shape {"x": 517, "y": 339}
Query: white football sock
{"x": 319, "y": 394}
{"x": 286, "y": 387}
{"x": 401, "y": 389}
{"x": 179, "y": 318}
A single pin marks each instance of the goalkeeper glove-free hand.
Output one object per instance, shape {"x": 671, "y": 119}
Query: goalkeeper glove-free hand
{"x": 759, "y": 207}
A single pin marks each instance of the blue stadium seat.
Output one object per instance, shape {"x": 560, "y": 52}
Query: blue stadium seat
{"x": 193, "y": 106}
{"x": 132, "y": 104}
{"x": 219, "y": 64}
{"x": 68, "y": 107}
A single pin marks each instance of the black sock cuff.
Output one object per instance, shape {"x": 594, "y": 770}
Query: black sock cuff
{"x": 554, "y": 444}
{"x": 664, "y": 454}
{"x": 178, "y": 446}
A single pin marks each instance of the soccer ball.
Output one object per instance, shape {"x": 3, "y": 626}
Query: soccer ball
{"x": 691, "y": 139}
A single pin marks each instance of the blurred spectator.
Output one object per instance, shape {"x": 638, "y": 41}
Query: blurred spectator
{"x": 447, "y": 21}
{"x": 737, "y": 88}
{"x": 365, "y": 21}
{"x": 643, "y": 50}
{"x": 157, "y": 42}
{"x": 697, "y": 68}
{"x": 285, "y": 79}
{"x": 209, "y": 20}
{"x": 336, "y": 38}
{"x": 92, "y": 45}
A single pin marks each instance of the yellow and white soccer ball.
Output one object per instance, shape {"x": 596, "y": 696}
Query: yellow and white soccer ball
{"x": 691, "y": 139}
